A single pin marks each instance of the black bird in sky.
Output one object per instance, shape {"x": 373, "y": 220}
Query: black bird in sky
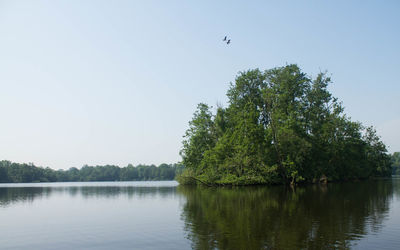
{"x": 228, "y": 41}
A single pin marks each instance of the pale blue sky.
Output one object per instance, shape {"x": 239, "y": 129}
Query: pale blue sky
{"x": 116, "y": 82}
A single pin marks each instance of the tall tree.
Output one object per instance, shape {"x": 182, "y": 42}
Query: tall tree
{"x": 198, "y": 138}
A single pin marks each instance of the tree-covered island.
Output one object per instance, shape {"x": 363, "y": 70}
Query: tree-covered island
{"x": 280, "y": 126}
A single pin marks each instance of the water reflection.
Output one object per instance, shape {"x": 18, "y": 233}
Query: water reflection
{"x": 9, "y": 196}
{"x": 26, "y": 194}
{"x": 313, "y": 217}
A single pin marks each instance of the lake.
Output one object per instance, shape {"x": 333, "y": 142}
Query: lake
{"x": 163, "y": 215}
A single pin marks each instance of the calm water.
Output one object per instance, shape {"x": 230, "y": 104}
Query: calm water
{"x": 162, "y": 215}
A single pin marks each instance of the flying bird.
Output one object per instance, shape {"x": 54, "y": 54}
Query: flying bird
{"x": 228, "y": 41}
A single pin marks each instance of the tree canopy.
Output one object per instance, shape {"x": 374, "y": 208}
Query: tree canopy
{"x": 396, "y": 163}
{"x": 280, "y": 126}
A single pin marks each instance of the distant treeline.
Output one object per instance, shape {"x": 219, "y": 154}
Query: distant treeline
{"x": 11, "y": 172}
{"x": 396, "y": 163}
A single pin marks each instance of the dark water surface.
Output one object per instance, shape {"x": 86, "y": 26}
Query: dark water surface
{"x": 162, "y": 215}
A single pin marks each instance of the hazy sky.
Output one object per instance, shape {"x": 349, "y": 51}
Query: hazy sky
{"x": 116, "y": 82}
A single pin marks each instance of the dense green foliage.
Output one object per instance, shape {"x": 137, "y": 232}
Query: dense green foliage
{"x": 14, "y": 173}
{"x": 281, "y": 126}
{"x": 396, "y": 163}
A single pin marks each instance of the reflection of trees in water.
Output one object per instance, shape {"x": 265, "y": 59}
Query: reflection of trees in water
{"x": 22, "y": 194}
{"x": 117, "y": 191}
{"x": 315, "y": 217}
{"x": 396, "y": 186}
{"x": 10, "y": 195}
